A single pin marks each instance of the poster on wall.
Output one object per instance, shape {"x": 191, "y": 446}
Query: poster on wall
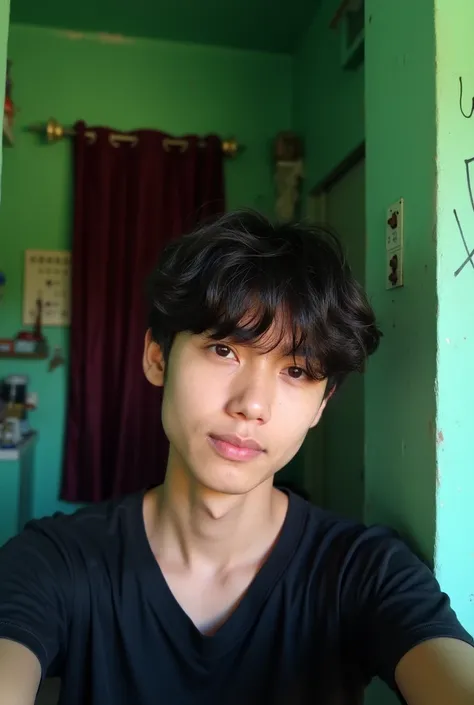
{"x": 47, "y": 278}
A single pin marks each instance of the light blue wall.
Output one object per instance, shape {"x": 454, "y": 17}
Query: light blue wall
{"x": 454, "y": 549}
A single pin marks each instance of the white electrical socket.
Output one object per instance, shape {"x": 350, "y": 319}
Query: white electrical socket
{"x": 394, "y": 246}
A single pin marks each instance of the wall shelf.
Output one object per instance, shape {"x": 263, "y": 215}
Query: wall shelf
{"x": 41, "y": 355}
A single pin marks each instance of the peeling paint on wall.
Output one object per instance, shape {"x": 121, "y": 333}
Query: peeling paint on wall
{"x": 105, "y": 38}
{"x": 100, "y": 38}
{"x": 72, "y": 36}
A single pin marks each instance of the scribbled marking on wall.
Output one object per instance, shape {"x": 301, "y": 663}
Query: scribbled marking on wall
{"x": 470, "y": 253}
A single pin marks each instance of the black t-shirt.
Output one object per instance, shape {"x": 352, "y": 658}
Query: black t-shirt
{"x": 335, "y": 604}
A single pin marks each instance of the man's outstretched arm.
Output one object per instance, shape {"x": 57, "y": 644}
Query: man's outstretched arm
{"x": 437, "y": 672}
{"x": 20, "y": 674}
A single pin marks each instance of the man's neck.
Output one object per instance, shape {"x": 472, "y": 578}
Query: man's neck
{"x": 190, "y": 524}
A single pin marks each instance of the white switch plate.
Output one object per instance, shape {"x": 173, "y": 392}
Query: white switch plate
{"x": 394, "y": 245}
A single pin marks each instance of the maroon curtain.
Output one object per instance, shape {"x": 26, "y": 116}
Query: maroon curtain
{"x": 131, "y": 198}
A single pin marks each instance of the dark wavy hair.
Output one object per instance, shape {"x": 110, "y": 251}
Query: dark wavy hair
{"x": 236, "y": 277}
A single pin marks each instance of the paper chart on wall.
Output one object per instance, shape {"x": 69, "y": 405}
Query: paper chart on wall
{"x": 47, "y": 278}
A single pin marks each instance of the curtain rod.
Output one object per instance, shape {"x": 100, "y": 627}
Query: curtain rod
{"x": 53, "y": 131}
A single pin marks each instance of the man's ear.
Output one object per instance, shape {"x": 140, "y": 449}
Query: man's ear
{"x": 317, "y": 418}
{"x": 324, "y": 402}
{"x": 330, "y": 393}
{"x": 153, "y": 361}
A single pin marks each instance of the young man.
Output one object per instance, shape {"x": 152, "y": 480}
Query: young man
{"x": 217, "y": 588}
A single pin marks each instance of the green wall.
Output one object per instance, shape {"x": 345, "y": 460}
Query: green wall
{"x": 125, "y": 84}
{"x": 400, "y": 402}
{"x": 401, "y": 148}
{"x": 454, "y": 549}
{"x": 4, "y": 20}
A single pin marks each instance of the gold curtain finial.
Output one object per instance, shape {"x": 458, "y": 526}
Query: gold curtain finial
{"x": 51, "y": 131}
{"x": 230, "y": 147}
{"x": 54, "y": 131}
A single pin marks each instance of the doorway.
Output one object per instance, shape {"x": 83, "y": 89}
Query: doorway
{"x": 334, "y": 459}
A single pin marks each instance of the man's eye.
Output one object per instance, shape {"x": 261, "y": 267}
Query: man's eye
{"x": 297, "y": 373}
{"x": 223, "y": 351}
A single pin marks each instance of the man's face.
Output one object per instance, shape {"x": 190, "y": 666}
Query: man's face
{"x": 235, "y": 415}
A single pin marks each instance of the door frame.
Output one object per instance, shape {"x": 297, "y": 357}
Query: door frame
{"x": 316, "y": 208}
{"x": 338, "y": 173}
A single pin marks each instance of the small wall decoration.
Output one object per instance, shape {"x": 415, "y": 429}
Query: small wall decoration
{"x": 47, "y": 280}
{"x": 57, "y": 359}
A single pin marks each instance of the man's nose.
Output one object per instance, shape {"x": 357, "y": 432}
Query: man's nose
{"x": 252, "y": 397}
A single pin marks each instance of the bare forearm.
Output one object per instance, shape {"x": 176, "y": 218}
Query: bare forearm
{"x": 20, "y": 674}
{"x": 439, "y": 672}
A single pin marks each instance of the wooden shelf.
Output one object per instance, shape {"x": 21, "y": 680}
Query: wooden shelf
{"x": 8, "y": 140}
{"x": 42, "y": 355}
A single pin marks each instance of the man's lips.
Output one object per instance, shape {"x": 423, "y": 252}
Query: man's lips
{"x": 238, "y": 441}
{"x": 233, "y": 447}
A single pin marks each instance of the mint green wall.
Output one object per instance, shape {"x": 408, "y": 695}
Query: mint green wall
{"x": 454, "y": 549}
{"x": 126, "y": 84}
{"x": 401, "y": 147}
{"x": 400, "y": 409}
{"x": 4, "y": 21}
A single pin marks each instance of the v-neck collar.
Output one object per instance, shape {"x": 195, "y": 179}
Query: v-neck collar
{"x": 178, "y": 625}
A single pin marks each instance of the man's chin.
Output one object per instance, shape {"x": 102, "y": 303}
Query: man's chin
{"x": 231, "y": 484}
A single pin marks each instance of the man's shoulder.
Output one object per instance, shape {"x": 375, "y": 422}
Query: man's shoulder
{"x": 351, "y": 546}
{"x": 88, "y": 527}
{"x": 324, "y": 523}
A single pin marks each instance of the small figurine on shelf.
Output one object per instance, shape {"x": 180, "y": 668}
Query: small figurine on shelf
{"x": 288, "y": 154}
